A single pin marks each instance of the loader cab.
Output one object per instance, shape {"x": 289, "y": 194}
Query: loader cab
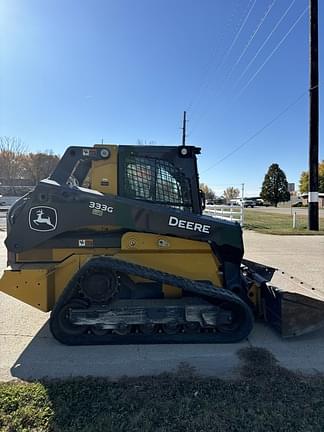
{"x": 163, "y": 175}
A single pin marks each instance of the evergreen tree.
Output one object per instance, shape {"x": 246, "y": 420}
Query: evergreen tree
{"x": 275, "y": 186}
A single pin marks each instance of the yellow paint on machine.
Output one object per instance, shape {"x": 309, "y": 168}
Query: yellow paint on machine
{"x": 34, "y": 286}
{"x": 104, "y": 172}
{"x": 41, "y": 284}
{"x": 181, "y": 257}
{"x": 57, "y": 255}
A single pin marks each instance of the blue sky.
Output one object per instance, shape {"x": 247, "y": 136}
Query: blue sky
{"x": 74, "y": 72}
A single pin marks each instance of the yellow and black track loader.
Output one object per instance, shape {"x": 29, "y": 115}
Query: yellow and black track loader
{"x": 115, "y": 244}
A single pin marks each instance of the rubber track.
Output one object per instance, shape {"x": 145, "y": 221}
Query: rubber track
{"x": 221, "y": 295}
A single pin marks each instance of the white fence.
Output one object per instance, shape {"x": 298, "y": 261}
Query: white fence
{"x": 227, "y": 212}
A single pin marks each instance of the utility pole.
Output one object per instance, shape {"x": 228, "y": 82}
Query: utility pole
{"x": 184, "y": 126}
{"x": 313, "y": 118}
{"x": 242, "y": 205}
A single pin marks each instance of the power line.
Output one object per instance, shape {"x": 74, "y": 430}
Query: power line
{"x": 258, "y": 132}
{"x": 239, "y": 58}
{"x": 273, "y": 51}
{"x": 239, "y": 32}
{"x": 232, "y": 44}
{"x": 264, "y": 43}
{"x": 209, "y": 66}
{"x": 252, "y": 37}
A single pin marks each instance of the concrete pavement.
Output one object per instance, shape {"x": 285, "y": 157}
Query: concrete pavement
{"x": 27, "y": 350}
{"x": 3, "y": 221}
{"x": 301, "y": 256}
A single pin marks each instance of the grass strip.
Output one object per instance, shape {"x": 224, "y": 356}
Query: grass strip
{"x": 274, "y": 223}
{"x": 265, "y": 398}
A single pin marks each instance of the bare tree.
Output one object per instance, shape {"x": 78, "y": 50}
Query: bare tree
{"x": 209, "y": 193}
{"x": 12, "y": 152}
{"x": 40, "y": 165}
{"x": 231, "y": 193}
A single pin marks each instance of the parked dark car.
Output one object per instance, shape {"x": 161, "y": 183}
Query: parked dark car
{"x": 262, "y": 203}
{"x": 297, "y": 204}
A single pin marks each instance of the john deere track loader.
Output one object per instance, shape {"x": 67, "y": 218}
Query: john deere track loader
{"x": 114, "y": 243}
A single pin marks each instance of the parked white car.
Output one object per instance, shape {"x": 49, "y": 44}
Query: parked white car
{"x": 249, "y": 203}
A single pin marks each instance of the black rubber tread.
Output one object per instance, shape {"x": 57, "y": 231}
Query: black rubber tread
{"x": 198, "y": 288}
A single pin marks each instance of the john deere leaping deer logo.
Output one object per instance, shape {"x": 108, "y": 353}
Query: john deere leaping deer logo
{"x": 42, "y": 218}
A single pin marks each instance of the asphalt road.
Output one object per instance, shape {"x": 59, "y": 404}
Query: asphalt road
{"x": 286, "y": 210}
{"x": 27, "y": 350}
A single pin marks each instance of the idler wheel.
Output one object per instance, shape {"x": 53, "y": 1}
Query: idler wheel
{"x": 63, "y": 319}
{"x": 236, "y": 320}
{"x": 98, "y": 331}
{"x": 122, "y": 329}
{"x": 148, "y": 329}
{"x": 192, "y": 327}
{"x": 171, "y": 328}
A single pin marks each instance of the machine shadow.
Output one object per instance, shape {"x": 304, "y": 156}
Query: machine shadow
{"x": 44, "y": 358}
{"x": 33, "y": 362}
